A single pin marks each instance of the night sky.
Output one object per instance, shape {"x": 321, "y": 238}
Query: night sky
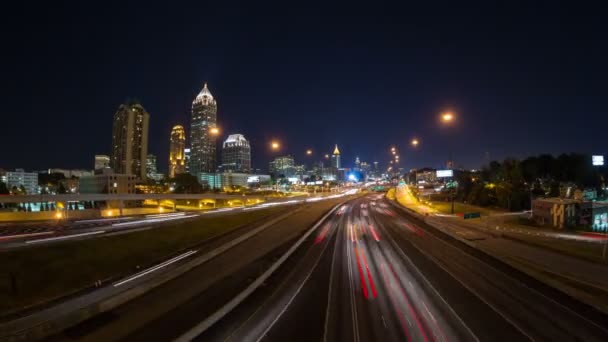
{"x": 522, "y": 79}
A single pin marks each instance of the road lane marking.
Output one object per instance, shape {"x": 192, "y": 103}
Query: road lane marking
{"x": 154, "y": 268}
{"x": 65, "y": 237}
{"x": 331, "y": 281}
{"x": 228, "y": 307}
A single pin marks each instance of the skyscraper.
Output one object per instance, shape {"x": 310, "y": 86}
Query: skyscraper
{"x": 101, "y": 161}
{"x": 177, "y": 158}
{"x": 236, "y": 154}
{"x": 335, "y": 158}
{"x": 130, "y": 140}
{"x": 202, "y": 139}
{"x": 151, "y": 165}
{"x": 187, "y": 153}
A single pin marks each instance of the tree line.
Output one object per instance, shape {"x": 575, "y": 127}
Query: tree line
{"x": 512, "y": 183}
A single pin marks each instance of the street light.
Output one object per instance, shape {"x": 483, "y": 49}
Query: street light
{"x": 447, "y": 117}
{"x": 214, "y": 131}
{"x": 415, "y": 142}
{"x": 308, "y": 152}
{"x": 275, "y": 145}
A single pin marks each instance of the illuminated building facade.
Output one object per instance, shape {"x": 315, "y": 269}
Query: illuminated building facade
{"x": 102, "y": 161}
{"x": 177, "y": 158}
{"x": 236, "y": 154}
{"x": 130, "y": 140}
{"x": 202, "y": 140}
{"x": 335, "y": 158}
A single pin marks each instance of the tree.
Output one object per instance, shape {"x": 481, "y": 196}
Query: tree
{"x": 186, "y": 183}
{"x": 61, "y": 189}
{"x": 4, "y": 189}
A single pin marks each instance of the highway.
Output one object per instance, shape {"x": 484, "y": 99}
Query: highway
{"x": 368, "y": 272}
{"x": 373, "y": 273}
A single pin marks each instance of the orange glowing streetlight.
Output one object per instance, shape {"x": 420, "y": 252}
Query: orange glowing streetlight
{"x": 415, "y": 142}
{"x": 274, "y": 145}
{"x": 447, "y": 117}
{"x": 309, "y": 152}
{"x": 214, "y": 131}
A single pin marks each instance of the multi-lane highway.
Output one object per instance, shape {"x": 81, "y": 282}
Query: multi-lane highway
{"x": 368, "y": 272}
{"x": 372, "y": 273}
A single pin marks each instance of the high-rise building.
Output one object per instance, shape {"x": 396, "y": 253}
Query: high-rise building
{"x": 19, "y": 179}
{"x": 187, "y": 153}
{"x": 177, "y": 159}
{"x": 335, "y": 158}
{"x": 130, "y": 140}
{"x": 102, "y": 161}
{"x": 151, "y": 165}
{"x": 283, "y": 166}
{"x": 202, "y": 137}
{"x": 151, "y": 169}
{"x": 236, "y": 154}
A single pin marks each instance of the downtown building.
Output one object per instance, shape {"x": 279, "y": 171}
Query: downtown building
{"x": 19, "y": 180}
{"x": 282, "y": 167}
{"x": 102, "y": 161}
{"x": 177, "y": 151}
{"x": 130, "y": 140}
{"x": 236, "y": 154}
{"x": 202, "y": 137}
{"x": 152, "y": 170}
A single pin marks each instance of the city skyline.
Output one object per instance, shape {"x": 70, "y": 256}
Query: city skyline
{"x": 502, "y": 79}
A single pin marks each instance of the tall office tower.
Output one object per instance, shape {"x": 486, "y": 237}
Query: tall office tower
{"x": 187, "y": 153}
{"x": 203, "y": 132}
{"x": 151, "y": 166}
{"x": 177, "y": 158}
{"x": 101, "y": 161}
{"x": 130, "y": 140}
{"x": 335, "y": 158}
{"x": 236, "y": 154}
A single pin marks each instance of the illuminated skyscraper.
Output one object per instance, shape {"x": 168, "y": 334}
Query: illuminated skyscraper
{"x": 202, "y": 139}
{"x": 102, "y": 161}
{"x": 130, "y": 140}
{"x": 335, "y": 158}
{"x": 236, "y": 154}
{"x": 177, "y": 158}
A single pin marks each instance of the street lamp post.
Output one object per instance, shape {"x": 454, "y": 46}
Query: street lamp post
{"x": 447, "y": 118}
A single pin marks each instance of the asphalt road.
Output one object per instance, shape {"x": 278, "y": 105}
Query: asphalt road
{"x": 369, "y": 272}
{"x": 172, "y": 308}
{"x": 373, "y": 273}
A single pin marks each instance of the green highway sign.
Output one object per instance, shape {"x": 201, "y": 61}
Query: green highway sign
{"x": 471, "y": 215}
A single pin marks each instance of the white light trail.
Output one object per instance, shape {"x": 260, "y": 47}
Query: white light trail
{"x": 154, "y": 268}
{"x": 66, "y": 237}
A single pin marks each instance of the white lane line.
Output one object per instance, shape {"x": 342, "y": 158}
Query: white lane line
{"x": 295, "y": 294}
{"x": 353, "y": 301}
{"x": 8, "y": 237}
{"x": 228, "y": 307}
{"x": 65, "y": 237}
{"x": 104, "y": 220}
{"x": 154, "y": 268}
{"x": 513, "y": 279}
{"x": 331, "y": 281}
{"x": 461, "y": 283}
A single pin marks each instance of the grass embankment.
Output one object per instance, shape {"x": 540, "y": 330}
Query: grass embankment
{"x": 460, "y": 208}
{"x": 583, "y": 250}
{"x": 47, "y": 272}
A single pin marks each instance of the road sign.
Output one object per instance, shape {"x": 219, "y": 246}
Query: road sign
{"x": 471, "y": 215}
